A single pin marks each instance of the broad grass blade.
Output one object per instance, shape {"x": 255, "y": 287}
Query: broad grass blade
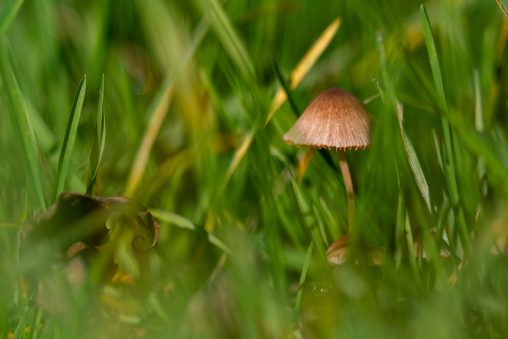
{"x": 20, "y": 116}
{"x": 70, "y": 137}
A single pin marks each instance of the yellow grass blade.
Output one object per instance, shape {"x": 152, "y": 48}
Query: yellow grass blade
{"x": 240, "y": 153}
{"x": 143, "y": 153}
{"x": 310, "y": 58}
{"x": 298, "y": 73}
{"x": 502, "y": 7}
{"x": 501, "y": 42}
{"x": 304, "y": 66}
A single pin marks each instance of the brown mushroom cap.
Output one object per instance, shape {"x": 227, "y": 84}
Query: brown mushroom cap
{"x": 335, "y": 119}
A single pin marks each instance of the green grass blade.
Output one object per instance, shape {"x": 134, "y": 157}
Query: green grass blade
{"x": 182, "y": 222}
{"x": 478, "y": 106}
{"x": 433, "y": 59}
{"x": 399, "y": 227}
{"x": 8, "y": 13}
{"x": 438, "y": 82}
{"x": 218, "y": 243}
{"x": 388, "y": 93}
{"x": 173, "y": 219}
{"x": 416, "y": 168}
{"x": 303, "y": 276}
{"x": 22, "y": 120}
{"x": 228, "y": 37}
{"x": 70, "y": 136}
{"x": 481, "y": 148}
{"x": 410, "y": 244}
{"x": 414, "y": 163}
{"x": 285, "y": 87}
{"x": 479, "y": 127}
{"x": 100, "y": 141}
{"x": 438, "y": 150}
{"x": 25, "y": 320}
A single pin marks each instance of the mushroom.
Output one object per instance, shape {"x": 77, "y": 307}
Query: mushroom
{"x": 335, "y": 119}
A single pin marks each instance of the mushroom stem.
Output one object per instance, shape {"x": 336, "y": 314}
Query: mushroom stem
{"x": 348, "y": 183}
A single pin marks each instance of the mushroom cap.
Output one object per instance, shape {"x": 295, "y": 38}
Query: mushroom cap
{"x": 335, "y": 119}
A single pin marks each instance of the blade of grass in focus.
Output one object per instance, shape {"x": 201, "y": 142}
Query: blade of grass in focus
{"x": 438, "y": 82}
{"x": 433, "y": 58}
{"x": 414, "y": 163}
{"x": 70, "y": 137}
{"x": 99, "y": 141}
{"x": 21, "y": 117}
{"x": 448, "y": 154}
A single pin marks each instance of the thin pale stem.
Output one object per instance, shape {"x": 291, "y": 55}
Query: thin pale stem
{"x": 348, "y": 183}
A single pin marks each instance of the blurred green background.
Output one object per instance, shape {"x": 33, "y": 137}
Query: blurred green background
{"x": 188, "y": 87}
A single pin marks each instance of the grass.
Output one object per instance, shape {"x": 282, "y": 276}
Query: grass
{"x": 195, "y": 97}
{"x": 70, "y": 136}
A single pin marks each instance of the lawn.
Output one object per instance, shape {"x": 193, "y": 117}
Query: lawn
{"x": 147, "y": 191}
